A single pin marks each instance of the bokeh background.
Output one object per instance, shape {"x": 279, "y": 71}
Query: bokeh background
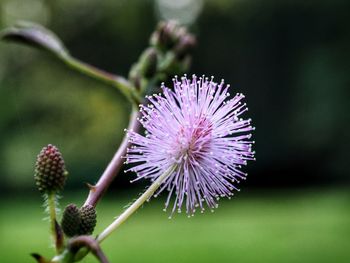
{"x": 290, "y": 59}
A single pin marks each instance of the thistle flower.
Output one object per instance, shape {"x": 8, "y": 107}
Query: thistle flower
{"x": 197, "y": 130}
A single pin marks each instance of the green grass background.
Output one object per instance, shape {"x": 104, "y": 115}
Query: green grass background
{"x": 291, "y": 226}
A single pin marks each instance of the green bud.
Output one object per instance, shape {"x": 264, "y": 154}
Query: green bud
{"x": 135, "y": 76}
{"x": 148, "y": 62}
{"x": 88, "y": 220}
{"x": 50, "y": 172}
{"x": 71, "y": 220}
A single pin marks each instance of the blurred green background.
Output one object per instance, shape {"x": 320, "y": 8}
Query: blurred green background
{"x": 290, "y": 59}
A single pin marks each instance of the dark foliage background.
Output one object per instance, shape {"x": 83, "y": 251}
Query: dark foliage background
{"x": 290, "y": 58}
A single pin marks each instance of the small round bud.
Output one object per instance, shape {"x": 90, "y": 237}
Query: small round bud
{"x": 148, "y": 62}
{"x": 88, "y": 220}
{"x": 50, "y": 172}
{"x": 71, "y": 220}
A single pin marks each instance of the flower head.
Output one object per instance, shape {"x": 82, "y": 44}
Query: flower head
{"x": 50, "y": 171}
{"x": 197, "y": 130}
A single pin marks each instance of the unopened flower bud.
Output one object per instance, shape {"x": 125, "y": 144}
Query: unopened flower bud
{"x": 148, "y": 62}
{"x": 88, "y": 220}
{"x": 166, "y": 35}
{"x": 50, "y": 172}
{"x": 185, "y": 45}
{"x": 71, "y": 220}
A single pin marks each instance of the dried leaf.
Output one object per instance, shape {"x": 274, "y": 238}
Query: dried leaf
{"x": 39, "y": 258}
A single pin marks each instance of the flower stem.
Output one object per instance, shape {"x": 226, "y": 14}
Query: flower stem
{"x": 128, "y": 212}
{"x": 51, "y": 201}
{"x": 112, "y": 169}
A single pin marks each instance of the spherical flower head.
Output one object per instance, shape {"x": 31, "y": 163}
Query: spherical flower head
{"x": 198, "y": 131}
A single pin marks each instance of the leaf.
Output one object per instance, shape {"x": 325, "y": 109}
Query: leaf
{"x": 39, "y": 258}
{"x": 35, "y": 35}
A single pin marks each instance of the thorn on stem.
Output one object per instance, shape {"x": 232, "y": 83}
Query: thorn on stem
{"x": 91, "y": 187}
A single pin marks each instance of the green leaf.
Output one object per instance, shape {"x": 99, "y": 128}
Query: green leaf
{"x": 35, "y": 35}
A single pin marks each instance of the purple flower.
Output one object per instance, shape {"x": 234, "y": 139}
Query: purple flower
{"x": 199, "y": 131}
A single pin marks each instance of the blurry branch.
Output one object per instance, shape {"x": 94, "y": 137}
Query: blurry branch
{"x": 37, "y": 36}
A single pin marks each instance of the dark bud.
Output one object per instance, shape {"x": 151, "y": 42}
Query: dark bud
{"x": 148, "y": 62}
{"x": 88, "y": 220}
{"x": 185, "y": 46}
{"x": 50, "y": 172}
{"x": 71, "y": 220}
{"x": 166, "y": 35}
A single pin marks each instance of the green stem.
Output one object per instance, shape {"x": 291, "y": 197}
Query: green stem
{"x": 51, "y": 201}
{"x": 131, "y": 209}
{"x": 119, "y": 82}
{"x": 65, "y": 257}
